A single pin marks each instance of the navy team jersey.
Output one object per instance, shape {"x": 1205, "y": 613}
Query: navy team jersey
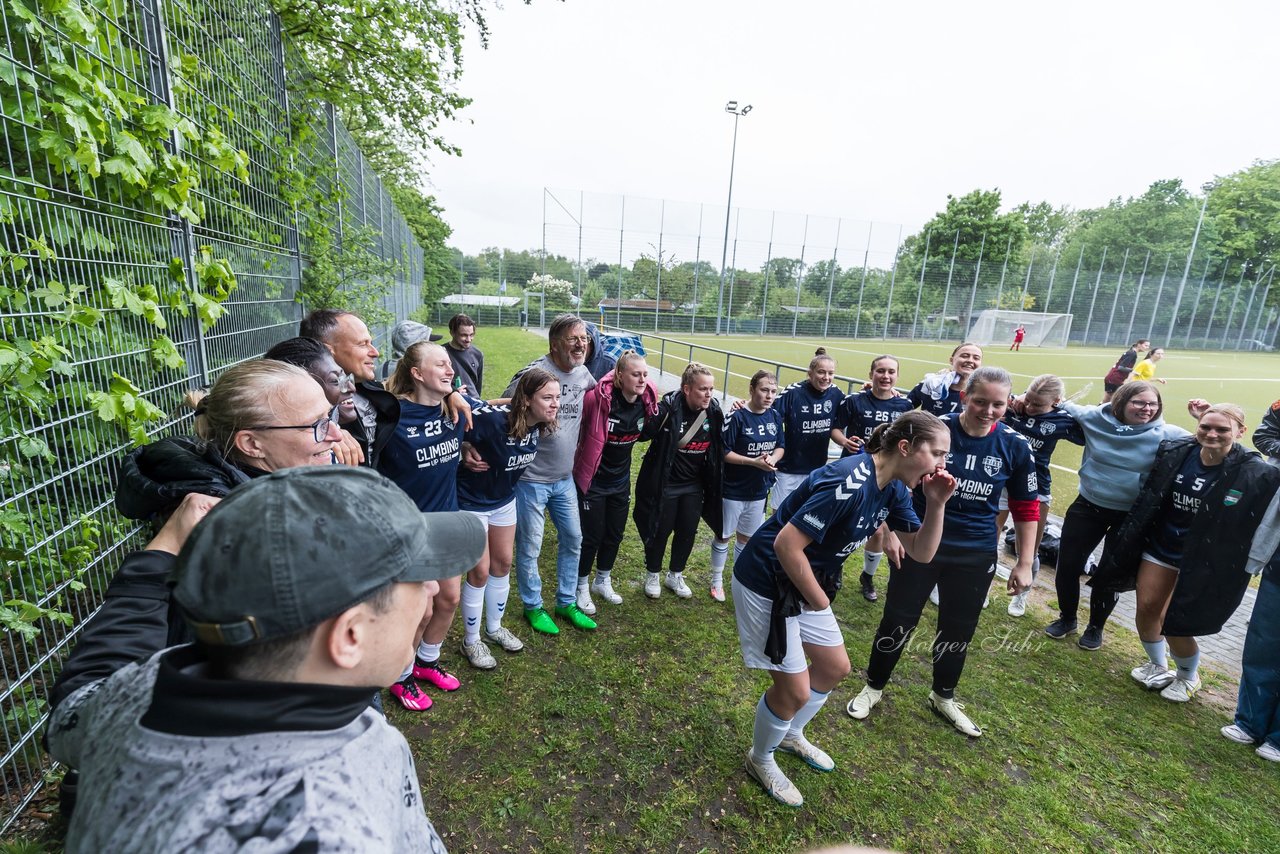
{"x": 861, "y": 413}
{"x": 750, "y": 435}
{"x": 507, "y": 458}
{"x": 838, "y": 506}
{"x": 807, "y": 418}
{"x": 1044, "y": 432}
{"x": 422, "y": 456}
{"x": 1190, "y": 485}
{"x": 983, "y": 466}
{"x": 953, "y": 401}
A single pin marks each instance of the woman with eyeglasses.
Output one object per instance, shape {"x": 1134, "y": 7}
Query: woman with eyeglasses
{"x": 260, "y": 416}
{"x": 421, "y": 456}
{"x": 1120, "y": 443}
{"x": 1199, "y": 527}
{"x": 339, "y": 387}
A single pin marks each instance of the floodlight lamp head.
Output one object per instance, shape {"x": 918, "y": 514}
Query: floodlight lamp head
{"x": 731, "y": 107}
{"x": 745, "y": 110}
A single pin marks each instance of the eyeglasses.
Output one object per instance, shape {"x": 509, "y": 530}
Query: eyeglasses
{"x": 1143, "y": 404}
{"x": 319, "y": 429}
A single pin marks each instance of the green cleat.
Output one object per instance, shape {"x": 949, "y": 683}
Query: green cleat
{"x": 574, "y": 615}
{"x": 541, "y": 621}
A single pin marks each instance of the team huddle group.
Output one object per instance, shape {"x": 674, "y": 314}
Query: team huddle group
{"x": 281, "y": 588}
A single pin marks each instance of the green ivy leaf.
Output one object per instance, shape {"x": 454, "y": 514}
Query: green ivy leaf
{"x": 29, "y": 447}
{"x": 165, "y": 354}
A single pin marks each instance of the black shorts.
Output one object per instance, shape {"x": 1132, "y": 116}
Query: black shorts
{"x": 1111, "y": 388}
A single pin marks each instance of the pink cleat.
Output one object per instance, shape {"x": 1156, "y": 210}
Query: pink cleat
{"x": 435, "y": 674}
{"x": 410, "y": 695}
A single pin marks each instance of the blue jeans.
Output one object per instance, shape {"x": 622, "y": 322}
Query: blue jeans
{"x": 1258, "y": 707}
{"x": 560, "y": 501}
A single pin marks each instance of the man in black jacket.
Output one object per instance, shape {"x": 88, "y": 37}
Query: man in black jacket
{"x": 1267, "y": 437}
{"x": 347, "y": 336}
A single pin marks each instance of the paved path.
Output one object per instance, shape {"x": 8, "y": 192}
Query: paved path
{"x": 1222, "y": 651}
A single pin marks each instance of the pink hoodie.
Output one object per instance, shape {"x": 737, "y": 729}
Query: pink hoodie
{"x": 595, "y": 427}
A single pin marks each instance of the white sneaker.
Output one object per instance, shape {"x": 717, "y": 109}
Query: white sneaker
{"x": 652, "y": 586}
{"x": 1268, "y": 751}
{"x": 717, "y": 593}
{"x": 1181, "y": 690}
{"x": 1018, "y": 604}
{"x": 953, "y": 712}
{"x": 604, "y": 589}
{"x": 585, "y": 605}
{"x": 675, "y": 583}
{"x": 775, "y": 782}
{"x": 1153, "y": 677}
{"x": 1234, "y": 733}
{"x": 798, "y": 745}
{"x": 933, "y": 595}
{"x": 505, "y": 639}
{"x": 860, "y": 706}
{"x": 479, "y": 656}
{"x": 1002, "y": 572}
{"x": 986, "y": 603}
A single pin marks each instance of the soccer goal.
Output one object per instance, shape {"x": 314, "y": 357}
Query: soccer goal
{"x": 995, "y": 326}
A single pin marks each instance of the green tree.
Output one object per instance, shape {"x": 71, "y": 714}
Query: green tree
{"x": 1047, "y": 226}
{"x": 1244, "y": 209}
{"x": 971, "y": 226}
{"x": 1162, "y": 220}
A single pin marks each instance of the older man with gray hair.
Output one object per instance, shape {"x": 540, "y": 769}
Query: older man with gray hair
{"x": 547, "y": 486}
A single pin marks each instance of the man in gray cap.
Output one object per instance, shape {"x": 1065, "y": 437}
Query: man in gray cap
{"x": 260, "y": 735}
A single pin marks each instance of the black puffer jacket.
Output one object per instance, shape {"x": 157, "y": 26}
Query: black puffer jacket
{"x": 1212, "y": 578}
{"x": 155, "y": 478}
{"x": 387, "y": 407}
{"x": 665, "y": 430}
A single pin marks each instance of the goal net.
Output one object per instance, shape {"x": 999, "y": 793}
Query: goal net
{"x": 995, "y": 326}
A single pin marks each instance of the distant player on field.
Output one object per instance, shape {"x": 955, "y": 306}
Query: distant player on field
{"x": 1018, "y": 334}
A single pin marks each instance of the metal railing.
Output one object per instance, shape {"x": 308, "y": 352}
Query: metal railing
{"x": 217, "y": 63}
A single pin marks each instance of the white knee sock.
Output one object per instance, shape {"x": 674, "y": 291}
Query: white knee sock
{"x": 1157, "y": 652}
{"x": 472, "y": 602}
{"x": 495, "y": 601}
{"x": 429, "y": 652}
{"x": 719, "y": 557}
{"x": 737, "y": 551}
{"x": 807, "y": 712}
{"x": 1188, "y": 666}
{"x": 871, "y": 562}
{"x": 767, "y": 733}
{"x": 408, "y": 671}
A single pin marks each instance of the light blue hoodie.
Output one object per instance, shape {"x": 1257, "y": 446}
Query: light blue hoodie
{"x": 1116, "y": 456}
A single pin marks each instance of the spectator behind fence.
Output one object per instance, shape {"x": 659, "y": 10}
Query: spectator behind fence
{"x": 260, "y": 735}
{"x": 405, "y": 334}
{"x": 599, "y": 361}
{"x": 468, "y": 361}
{"x": 338, "y": 386}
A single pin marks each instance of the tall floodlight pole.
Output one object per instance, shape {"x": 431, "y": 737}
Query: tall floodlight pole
{"x": 738, "y": 112}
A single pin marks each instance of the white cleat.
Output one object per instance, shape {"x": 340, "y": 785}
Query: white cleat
{"x": 585, "y": 605}
{"x": 1153, "y": 677}
{"x": 775, "y": 782}
{"x": 860, "y": 706}
{"x": 604, "y": 589}
{"x": 1018, "y": 604}
{"x": 953, "y": 713}
{"x": 675, "y": 583}
{"x": 652, "y": 585}
{"x": 798, "y": 745}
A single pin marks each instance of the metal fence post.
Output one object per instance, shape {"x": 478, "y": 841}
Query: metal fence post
{"x": 1231, "y": 313}
{"x": 697, "y": 264}
{"x": 1133, "y": 312}
{"x": 893, "y": 275}
{"x": 1097, "y": 284}
{"x": 928, "y": 235}
{"x": 1186, "y": 342}
{"x": 182, "y": 235}
{"x": 768, "y": 263}
{"x": 946, "y": 297}
{"x": 1004, "y": 268}
{"x": 1168, "y": 258}
{"x": 1053, "y": 273}
{"x": 662, "y": 224}
{"x": 831, "y": 281}
{"x": 804, "y": 241}
{"x": 622, "y": 234}
{"x": 1115, "y": 300}
{"x": 862, "y": 285}
{"x": 973, "y": 293}
{"x": 1213, "y": 311}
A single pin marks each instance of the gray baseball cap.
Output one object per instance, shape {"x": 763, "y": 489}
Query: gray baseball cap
{"x": 291, "y": 549}
{"x": 410, "y": 332}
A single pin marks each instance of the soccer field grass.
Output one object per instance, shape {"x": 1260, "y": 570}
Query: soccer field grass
{"x": 1248, "y": 379}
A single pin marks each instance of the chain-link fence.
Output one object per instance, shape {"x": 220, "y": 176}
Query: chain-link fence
{"x": 101, "y": 285}
{"x": 656, "y": 264}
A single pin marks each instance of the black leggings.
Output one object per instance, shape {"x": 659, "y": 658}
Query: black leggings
{"x": 679, "y": 514}
{"x": 1085, "y": 525}
{"x": 962, "y": 578}
{"x": 604, "y": 521}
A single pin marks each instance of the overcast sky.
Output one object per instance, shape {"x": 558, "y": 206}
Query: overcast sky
{"x": 862, "y": 111}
